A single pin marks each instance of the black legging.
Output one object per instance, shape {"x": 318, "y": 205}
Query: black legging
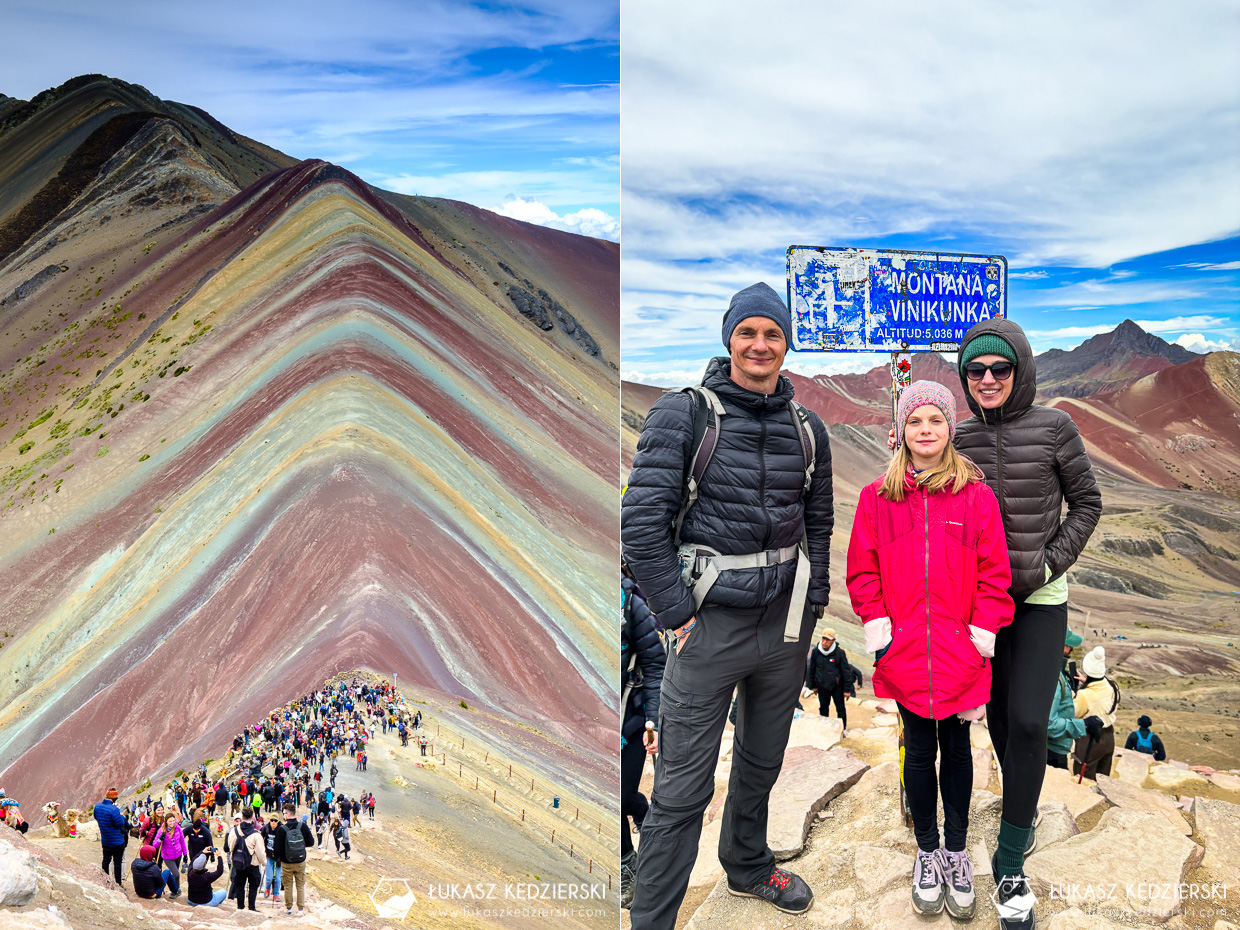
{"x": 923, "y": 740}
{"x": 632, "y": 802}
{"x": 1028, "y": 656}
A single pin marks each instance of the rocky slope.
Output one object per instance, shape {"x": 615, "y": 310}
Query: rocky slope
{"x": 1125, "y": 851}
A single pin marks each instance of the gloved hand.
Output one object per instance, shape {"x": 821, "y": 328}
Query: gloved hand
{"x": 1093, "y": 726}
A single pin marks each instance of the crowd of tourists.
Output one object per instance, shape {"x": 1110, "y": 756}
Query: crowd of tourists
{"x": 275, "y": 798}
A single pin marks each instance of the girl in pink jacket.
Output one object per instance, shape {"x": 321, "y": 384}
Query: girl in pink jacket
{"x": 928, "y": 575}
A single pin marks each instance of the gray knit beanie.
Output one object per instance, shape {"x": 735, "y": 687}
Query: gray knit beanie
{"x": 756, "y": 300}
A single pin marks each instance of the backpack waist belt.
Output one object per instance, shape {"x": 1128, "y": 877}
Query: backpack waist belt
{"x": 701, "y": 567}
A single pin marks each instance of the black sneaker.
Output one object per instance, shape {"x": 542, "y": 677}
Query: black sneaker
{"x": 628, "y": 878}
{"x": 1033, "y": 840}
{"x": 785, "y": 891}
{"x": 1014, "y": 900}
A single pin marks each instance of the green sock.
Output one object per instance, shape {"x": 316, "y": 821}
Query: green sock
{"x": 1010, "y": 859}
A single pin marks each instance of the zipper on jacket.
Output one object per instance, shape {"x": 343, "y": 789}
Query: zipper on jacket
{"x": 766, "y": 522}
{"x": 929, "y": 672}
{"x": 999, "y": 468}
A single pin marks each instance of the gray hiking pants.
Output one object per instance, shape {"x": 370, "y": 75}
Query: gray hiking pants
{"x": 729, "y": 648}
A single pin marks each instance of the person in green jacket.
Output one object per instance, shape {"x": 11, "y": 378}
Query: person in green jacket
{"x": 1064, "y": 728}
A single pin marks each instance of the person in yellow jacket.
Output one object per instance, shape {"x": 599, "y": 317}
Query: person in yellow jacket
{"x": 1096, "y": 700}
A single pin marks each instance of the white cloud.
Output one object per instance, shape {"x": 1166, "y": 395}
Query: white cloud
{"x": 1196, "y": 342}
{"x": 587, "y": 222}
{"x": 1088, "y": 136}
{"x": 1209, "y": 266}
{"x": 1033, "y": 275}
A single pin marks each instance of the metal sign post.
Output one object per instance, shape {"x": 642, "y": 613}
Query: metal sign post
{"x": 901, "y": 377}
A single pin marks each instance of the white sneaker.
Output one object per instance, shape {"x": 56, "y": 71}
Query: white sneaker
{"x": 928, "y": 893}
{"x": 958, "y": 882}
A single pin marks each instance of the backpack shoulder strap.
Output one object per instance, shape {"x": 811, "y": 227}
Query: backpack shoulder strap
{"x": 707, "y": 409}
{"x": 809, "y": 443}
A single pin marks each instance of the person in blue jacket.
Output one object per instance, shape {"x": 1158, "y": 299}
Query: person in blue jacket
{"x": 113, "y": 832}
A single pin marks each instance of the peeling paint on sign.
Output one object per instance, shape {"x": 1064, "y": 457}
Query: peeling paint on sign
{"x": 886, "y": 300}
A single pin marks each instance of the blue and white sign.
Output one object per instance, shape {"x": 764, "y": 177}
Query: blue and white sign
{"x": 889, "y": 300}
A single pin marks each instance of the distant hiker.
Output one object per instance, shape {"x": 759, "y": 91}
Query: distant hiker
{"x": 928, "y": 575}
{"x": 271, "y": 871}
{"x": 292, "y": 840}
{"x": 149, "y": 881}
{"x": 334, "y": 772}
{"x": 829, "y": 673}
{"x": 199, "y": 881}
{"x": 642, "y": 661}
{"x": 1063, "y": 727}
{"x": 753, "y": 543}
{"x": 422, "y": 743}
{"x": 1034, "y": 460}
{"x": 370, "y": 804}
{"x": 246, "y": 850}
{"x": 1097, "y": 699}
{"x": 1142, "y": 740}
{"x": 340, "y": 831}
{"x": 113, "y": 832}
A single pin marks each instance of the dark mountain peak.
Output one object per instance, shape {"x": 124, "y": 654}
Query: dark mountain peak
{"x": 1129, "y": 338}
{"x": 16, "y": 115}
{"x": 1107, "y": 361}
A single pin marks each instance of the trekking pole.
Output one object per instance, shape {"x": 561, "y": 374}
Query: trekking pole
{"x": 1087, "y": 749}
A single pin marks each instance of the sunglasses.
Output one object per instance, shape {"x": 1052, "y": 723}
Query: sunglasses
{"x": 976, "y": 371}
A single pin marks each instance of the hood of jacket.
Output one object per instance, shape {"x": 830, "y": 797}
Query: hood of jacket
{"x": 1025, "y": 384}
{"x": 718, "y": 378}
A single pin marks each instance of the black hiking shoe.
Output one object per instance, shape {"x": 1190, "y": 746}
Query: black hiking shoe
{"x": 628, "y": 878}
{"x": 785, "y": 891}
{"x": 1013, "y": 899}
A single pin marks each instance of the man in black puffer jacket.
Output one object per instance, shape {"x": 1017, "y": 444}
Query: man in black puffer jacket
{"x": 746, "y": 634}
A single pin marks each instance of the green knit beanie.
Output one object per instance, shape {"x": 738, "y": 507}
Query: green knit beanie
{"x": 986, "y": 344}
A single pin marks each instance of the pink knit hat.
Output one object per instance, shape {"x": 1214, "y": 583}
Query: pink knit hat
{"x": 926, "y": 392}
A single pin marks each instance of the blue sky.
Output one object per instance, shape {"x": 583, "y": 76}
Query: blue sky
{"x": 509, "y": 106}
{"x": 1097, "y": 146}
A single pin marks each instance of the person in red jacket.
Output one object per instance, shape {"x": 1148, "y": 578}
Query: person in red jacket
{"x": 928, "y": 574}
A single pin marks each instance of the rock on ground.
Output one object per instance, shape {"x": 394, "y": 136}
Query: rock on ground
{"x": 876, "y": 868}
{"x": 817, "y": 731}
{"x": 1122, "y": 794}
{"x": 1138, "y": 852}
{"x": 1218, "y": 828}
{"x": 1058, "y": 785}
{"x": 1131, "y": 766}
{"x": 1076, "y": 919}
{"x": 809, "y": 779}
{"x": 1176, "y": 780}
{"x": 18, "y": 882}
